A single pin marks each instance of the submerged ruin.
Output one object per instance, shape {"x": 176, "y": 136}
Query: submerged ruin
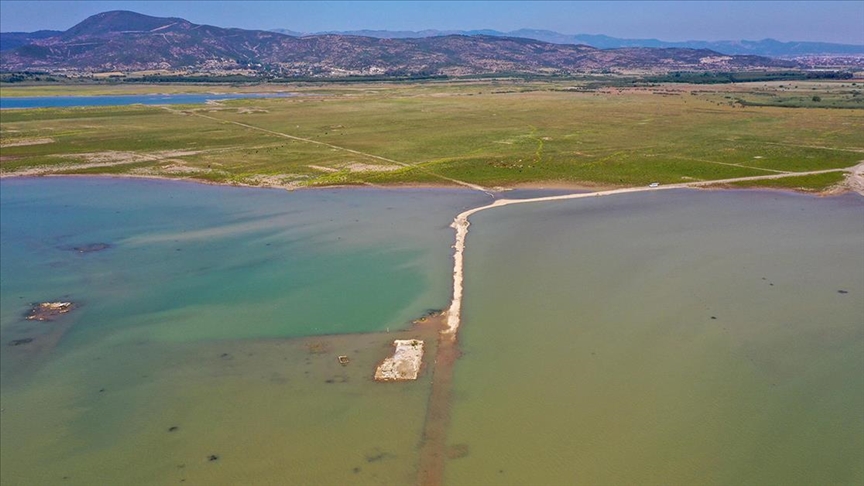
{"x": 405, "y": 362}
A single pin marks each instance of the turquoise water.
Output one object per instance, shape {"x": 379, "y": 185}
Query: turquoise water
{"x": 163, "y": 99}
{"x": 220, "y": 311}
{"x": 191, "y": 262}
{"x": 687, "y": 337}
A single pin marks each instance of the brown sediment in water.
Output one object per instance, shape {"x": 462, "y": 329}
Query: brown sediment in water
{"x": 433, "y": 446}
{"x": 30, "y": 351}
{"x": 33, "y": 342}
{"x": 318, "y": 347}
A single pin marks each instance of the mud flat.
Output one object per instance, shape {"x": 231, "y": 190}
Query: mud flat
{"x": 405, "y": 362}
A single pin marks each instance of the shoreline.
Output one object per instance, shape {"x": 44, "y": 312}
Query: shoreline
{"x": 444, "y": 350}
{"x": 854, "y": 182}
{"x": 857, "y": 184}
{"x": 432, "y": 459}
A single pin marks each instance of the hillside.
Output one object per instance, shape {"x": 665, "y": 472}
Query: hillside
{"x": 764, "y": 47}
{"x": 13, "y": 40}
{"x": 127, "y": 41}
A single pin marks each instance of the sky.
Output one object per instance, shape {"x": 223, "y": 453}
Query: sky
{"x": 826, "y": 21}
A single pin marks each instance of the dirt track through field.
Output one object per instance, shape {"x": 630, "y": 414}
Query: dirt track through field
{"x": 336, "y": 147}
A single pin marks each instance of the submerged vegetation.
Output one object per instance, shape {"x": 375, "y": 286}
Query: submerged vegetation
{"x": 488, "y": 132}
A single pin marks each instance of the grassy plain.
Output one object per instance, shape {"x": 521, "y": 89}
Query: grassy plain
{"x": 493, "y": 133}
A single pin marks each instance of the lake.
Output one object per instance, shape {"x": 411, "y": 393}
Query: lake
{"x": 157, "y": 99}
{"x": 220, "y": 311}
{"x": 682, "y": 337}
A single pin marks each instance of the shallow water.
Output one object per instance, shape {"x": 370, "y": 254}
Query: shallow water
{"x": 121, "y": 100}
{"x": 678, "y": 338}
{"x": 214, "y": 310}
{"x": 684, "y": 337}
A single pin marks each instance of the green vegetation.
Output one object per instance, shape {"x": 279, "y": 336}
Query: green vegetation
{"x": 27, "y": 76}
{"x": 845, "y": 99}
{"x": 801, "y": 94}
{"x": 488, "y": 132}
{"x": 746, "y": 77}
{"x": 808, "y": 183}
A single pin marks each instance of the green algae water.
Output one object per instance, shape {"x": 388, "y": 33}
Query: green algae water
{"x": 681, "y": 337}
{"x": 203, "y": 349}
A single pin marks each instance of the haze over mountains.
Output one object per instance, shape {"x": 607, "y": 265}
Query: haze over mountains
{"x": 765, "y": 47}
{"x": 128, "y": 41}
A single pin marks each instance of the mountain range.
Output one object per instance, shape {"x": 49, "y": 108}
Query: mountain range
{"x": 13, "y": 40}
{"x": 765, "y": 47}
{"x": 128, "y": 41}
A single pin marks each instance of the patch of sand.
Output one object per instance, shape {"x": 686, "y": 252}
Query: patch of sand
{"x": 176, "y": 167}
{"x": 360, "y": 167}
{"x": 112, "y": 158}
{"x": 854, "y": 181}
{"x": 248, "y": 111}
{"x": 322, "y": 168}
{"x": 281, "y": 181}
{"x": 25, "y": 141}
{"x": 122, "y": 157}
{"x": 357, "y": 167}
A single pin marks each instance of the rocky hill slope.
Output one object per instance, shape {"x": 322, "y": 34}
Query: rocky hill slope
{"x": 127, "y": 41}
{"x": 764, "y": 47}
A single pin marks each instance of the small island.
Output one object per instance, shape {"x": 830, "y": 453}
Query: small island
{"x": 48, "y": 311}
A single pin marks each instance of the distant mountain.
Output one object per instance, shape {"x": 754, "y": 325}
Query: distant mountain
{"x": 294, "y": 33}
{"x": 12, "y": 40}
{"x": 127, "y": 41}
{"x": 765, "y": 47}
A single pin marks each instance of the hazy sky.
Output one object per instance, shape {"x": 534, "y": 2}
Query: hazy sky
{"x": 830, "y": 21}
